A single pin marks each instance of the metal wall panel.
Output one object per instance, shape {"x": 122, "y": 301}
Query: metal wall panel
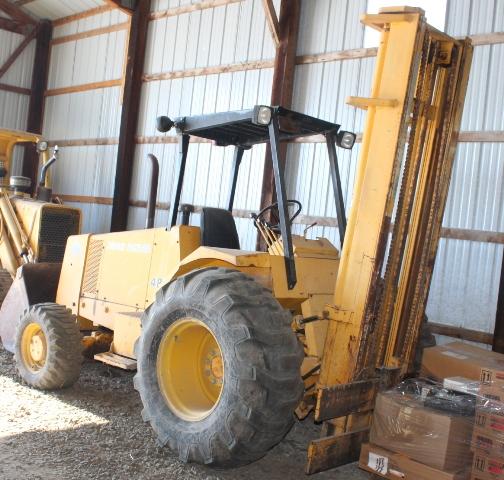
{"x": 86, "y": 170}
{"x": 87, "y": 60}
{"x": 321, "y": 90}
{"x": 326, "y": 25}
{"x": 466, "y": 276}
{"x": 111, "y": 17}
{"x": 465, "y": 283}
{"x": 465, "y": 279}
{"x": 218, "y": 36}
{"x": 14, "y": 106}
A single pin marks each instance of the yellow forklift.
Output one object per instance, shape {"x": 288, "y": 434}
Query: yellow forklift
{"x": 230, "y": 344}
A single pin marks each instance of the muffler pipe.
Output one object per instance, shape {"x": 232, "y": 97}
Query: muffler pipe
{"x": 46, "y": 166}
{"x": 151, "y": 204}
{"x": 44, "y": 193}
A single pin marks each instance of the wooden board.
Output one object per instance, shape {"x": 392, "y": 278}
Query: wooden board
{"x": 342, "y": 400}
{"x": 116, "y": 360}
{"x": 334, "y": 451}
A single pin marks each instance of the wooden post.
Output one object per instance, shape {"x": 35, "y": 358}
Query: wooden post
{"x": 38, "y": 87}
{"x": 129, "y": 116}
{"x": 498, "y": 340}
{"x": 283, "y": 85}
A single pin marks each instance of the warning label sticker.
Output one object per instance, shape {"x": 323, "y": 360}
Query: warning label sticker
{"x": 378, "y": 463}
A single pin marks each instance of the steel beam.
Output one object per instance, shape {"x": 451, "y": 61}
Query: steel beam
{"x": 38, "y": 87}
{"x": 129, "y": 116}
{"x": 282, "y": 88}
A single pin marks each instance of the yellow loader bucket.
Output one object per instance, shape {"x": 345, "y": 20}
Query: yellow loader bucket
{"x": 34, "y": 283}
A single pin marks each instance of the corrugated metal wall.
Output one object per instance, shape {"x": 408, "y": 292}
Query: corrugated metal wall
{"x": 321, "y": 90}
{"x": 14, "y": 106}
{"x": 466, "y": 276}
{"x": 93, "y": 114}
{"x": 228, "y": 34}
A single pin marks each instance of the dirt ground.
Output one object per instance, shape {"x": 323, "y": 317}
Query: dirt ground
{"x": 94, "y": 431}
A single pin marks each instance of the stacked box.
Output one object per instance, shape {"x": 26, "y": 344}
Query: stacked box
{"x": 459, "y": 359}
{"x": 451, "y": 427}
{"x": 488, "y": 435}
{"x": 411, "y": 439}
{"x": 435, "y": 438}
{"x": 492, "y": 383}
{"x": 395, "y": 466}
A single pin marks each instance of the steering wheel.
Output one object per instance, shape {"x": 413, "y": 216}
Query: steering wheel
{"x": 274, "y": 222}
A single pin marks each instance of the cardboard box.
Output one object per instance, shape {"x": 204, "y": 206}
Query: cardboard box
{"x": 487, "y": 468}
{"x": 491, "y": 421}
{"x": 432, "y": 437}
{"x": 492, "y": 392}
{"x": 485, "y": 443}
{"x": 492, "y": 383}
{"x": 395, "y": 466}
{"x": 459, "y": 359}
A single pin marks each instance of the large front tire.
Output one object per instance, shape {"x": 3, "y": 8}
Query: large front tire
{"x": 48, "y": 348}
{"x": 218, "y": 368}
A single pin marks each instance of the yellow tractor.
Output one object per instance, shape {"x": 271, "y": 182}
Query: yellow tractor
{"x": 229, "y": 344}
{"x": 33, "y": 236}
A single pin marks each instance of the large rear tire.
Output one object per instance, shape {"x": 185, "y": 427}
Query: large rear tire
{"x": 218, "y": 368}
{"x": 48, "y": 348}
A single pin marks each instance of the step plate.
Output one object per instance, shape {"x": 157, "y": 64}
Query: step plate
{"x": 116, "y": 360}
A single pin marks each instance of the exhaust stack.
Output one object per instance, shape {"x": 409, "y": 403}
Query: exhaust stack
{"x": 151, "y": 205}
{"x": 45, "y": 193}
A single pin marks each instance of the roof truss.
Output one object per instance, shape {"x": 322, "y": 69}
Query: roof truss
{"x": 16, "y": 13}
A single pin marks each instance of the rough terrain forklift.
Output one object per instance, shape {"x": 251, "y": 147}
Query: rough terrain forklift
{"x": 229, "y": 344}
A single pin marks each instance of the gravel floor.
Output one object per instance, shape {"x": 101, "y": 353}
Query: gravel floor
{"x": 94, "y": 430}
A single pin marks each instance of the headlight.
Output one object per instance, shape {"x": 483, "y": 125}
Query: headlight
{"x": 164, "y": 124}
{"x": 42, "y": 146}
{"x": 345, "y": 139}
{"x": 262, "y": 115}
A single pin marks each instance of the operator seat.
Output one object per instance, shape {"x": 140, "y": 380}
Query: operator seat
{"x": 218, "y": 229}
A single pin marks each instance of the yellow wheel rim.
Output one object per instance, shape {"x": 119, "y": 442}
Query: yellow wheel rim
{"x": 33, "y": 347}
{"x": 190, "y": 369}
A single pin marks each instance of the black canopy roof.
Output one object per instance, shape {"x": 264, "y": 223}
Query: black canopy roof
{"x": 238, "y": 127}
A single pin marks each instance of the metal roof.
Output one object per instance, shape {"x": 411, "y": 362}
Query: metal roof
{"x": 53, "y": 9}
